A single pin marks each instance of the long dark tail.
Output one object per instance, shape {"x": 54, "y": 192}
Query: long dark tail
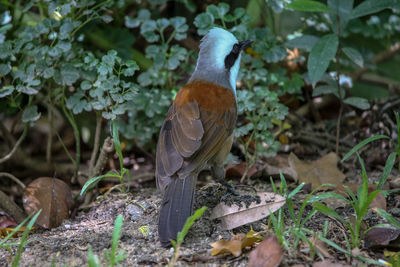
{"x": 176, "y": 208}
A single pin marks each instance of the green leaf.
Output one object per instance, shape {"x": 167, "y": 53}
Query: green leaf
{"x": 86, "y": 85}
{"x": 343, "y": 9}
{"x": 69, "y": 74}
{"x": 203, "y": 22}
{"x": 5, "y": 69}
{"x": 131, "y": 67}
{"x": 162, "y": 24}
{"x": 320, "y": 56}
{"x": 327, "y": 211}
{"x": 363, "y": 143}
{"x": 308, "y": 6}
{"x": 94, "y": 181}
{"x": 30, "y": 114}
{"x": 372, "y": 6}
{"x": 6, "y": 90}
{"x": 357, "y": 102}
{"x": 387, "y": 216}
{"x": 388, "y": 168}
{"x": 115, "y": 238}
{"x": 189, "y": 222}
{"x": 305, "y": 42}
{"x": 354, "y": 55}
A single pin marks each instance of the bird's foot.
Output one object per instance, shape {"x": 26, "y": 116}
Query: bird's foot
{"x": 230, "y": 188}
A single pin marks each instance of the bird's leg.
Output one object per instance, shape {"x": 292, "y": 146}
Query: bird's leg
{"x": 218, "y": 173}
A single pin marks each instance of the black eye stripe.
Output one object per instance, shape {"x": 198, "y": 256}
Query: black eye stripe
{"x": 232, "y": 56}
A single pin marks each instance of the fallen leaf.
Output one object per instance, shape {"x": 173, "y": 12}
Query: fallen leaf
{"x": 380, "y": 237}
{"x": 275, "y": 165}
{"x": 267, "y": 254}
{"x": 321, "y": 247}
{"x": 378, "y": 202}
{"x": 234, "y": 216}
{"x": 318, "y": 172}
{"x": 236, "y": 244}
{"x": 53, "y": 196}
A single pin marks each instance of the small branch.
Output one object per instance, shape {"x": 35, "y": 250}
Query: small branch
{"x": 50, "y": 134}
{"x": 338, "y": 86}
{"x": 383, "y": 56}
{"x": 96, "y": 144}
{"x": 108, "y": 148}
{"x": 71, "y": 120}
{"x": 9, "y": 155}
{"x": 12, "y": 177}
{"x": 11, "y": 208}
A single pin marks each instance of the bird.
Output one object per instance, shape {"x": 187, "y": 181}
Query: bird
{"x": 197, "y": 133}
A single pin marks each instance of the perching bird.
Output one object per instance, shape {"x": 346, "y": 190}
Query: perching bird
{"x": 197, "y": 133}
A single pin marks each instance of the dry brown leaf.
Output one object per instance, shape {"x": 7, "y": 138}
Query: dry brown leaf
{"x": 321, "y": 247}
{"x": 51, "y": 195}
{"x": 378, "y": 202}
{"x": 274, "y": 166}
{"x": 236, "y": 244}
{"x": 318, "y": 172}
{"x": 378, "y": 237}
{"x": 234, "y": 216}
{"x": 267, "y": 254}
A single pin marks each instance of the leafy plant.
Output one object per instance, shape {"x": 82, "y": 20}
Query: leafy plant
{"x": 360, "y": 202}
{"x": 112, "y": 257}
{"x": 181, "y": 235}
{"x": 296, "y": 230}
{"x": 92, "y": 182}
{"x": 337, "y": 18}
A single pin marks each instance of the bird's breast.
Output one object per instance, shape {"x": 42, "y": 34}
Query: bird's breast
{"x": 208, "y": 96}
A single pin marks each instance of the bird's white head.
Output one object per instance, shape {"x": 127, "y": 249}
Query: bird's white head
{"x": 219, "y": 58}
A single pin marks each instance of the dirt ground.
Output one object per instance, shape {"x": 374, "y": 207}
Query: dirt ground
{"x": 67, "y": 245}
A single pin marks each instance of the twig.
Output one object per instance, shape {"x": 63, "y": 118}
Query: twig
{"x": 11, "y": 208}
{"x": 338, "y": 86}
{"x": 96, "y": 144}
{"x": 385, "y": 55}
{"x": 12, "y": 177}
{"x": 50, "y": 134}
{"x": 75, "y": 128}
{"x": 108, "y": 147}
{"x": 9, "y": 155}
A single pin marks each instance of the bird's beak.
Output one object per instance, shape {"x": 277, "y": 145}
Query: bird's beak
{"x": 244, "y": 44}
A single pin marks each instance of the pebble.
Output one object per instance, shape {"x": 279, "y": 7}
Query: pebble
{"x": 135, "y": 212}
{"x": 395, "y": 212}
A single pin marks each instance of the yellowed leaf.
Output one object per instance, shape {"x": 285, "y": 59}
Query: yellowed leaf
{"x": 236, "y": 244}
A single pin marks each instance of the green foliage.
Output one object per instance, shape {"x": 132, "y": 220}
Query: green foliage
{"x": 112, "y": 257}
{"x": 360, "y": 202}
{"x": 334, "y": 24}
{"x": 297, "y": 230}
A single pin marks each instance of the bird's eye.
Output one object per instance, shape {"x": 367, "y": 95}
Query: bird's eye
{"x": 235, "y": 48}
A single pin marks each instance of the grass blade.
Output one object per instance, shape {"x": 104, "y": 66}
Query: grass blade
{"x": 363, "y": 143}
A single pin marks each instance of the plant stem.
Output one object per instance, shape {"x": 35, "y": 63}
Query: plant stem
{"x": 75, "y": 128}
{"x": 95, "y": 144}
{"x": 9, "y": 155}
{"x": 50, "y": 134}
{"x": 338, "y": 86}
